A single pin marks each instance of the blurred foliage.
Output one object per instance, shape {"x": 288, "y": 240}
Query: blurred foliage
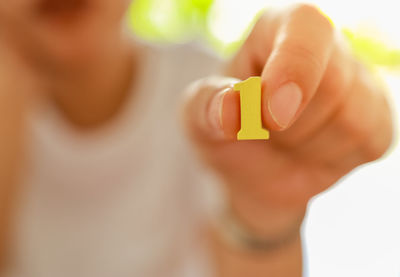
{"x": 169, "y": 20}
{"x": 172, "y": 21}
{"x": 373, "y": 51}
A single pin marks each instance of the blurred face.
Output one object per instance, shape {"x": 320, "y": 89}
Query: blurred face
{"x": 63, "y": 32}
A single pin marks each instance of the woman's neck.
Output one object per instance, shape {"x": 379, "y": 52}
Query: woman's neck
{"x": 90, "y": 98}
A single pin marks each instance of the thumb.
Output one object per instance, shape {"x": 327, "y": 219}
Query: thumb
{"x": 211, "y": 110}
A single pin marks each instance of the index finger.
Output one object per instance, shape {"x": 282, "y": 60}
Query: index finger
{"x": 301, "y": 52}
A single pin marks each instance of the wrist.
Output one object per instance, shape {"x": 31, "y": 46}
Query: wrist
{"x": 279, "y": 259}
{"x": 275, "y": 225}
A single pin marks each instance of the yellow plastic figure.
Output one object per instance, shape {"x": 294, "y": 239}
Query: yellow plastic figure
{"x": 250, "y": 109}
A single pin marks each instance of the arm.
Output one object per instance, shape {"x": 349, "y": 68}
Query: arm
{"x": 323, "y": 110}
{"x": 14, "y": 100}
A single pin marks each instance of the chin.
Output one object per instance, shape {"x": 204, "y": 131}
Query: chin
{"x": 64, "y": 33}
{"x": 61, "y": 9}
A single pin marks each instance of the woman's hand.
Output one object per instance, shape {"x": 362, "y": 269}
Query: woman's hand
{"x": 326, "y": 113}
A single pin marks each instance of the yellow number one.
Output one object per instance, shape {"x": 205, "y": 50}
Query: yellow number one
{"x": 250, "y": 110}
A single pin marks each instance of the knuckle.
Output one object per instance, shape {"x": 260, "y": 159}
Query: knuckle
{"x": 352, "y": 128}
{"x": 335, "y": 84}
{"x": 374, "y": 153}
{"x": 372, "y": 143}
{"x": 380, "y": 143}
{"x": 338, "y": 82}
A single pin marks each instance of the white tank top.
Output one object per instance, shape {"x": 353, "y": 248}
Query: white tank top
{"x": 125, "y": 200}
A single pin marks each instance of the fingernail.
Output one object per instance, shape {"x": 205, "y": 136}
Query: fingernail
{"x": 284, "y": 104}
{"x": 215, "y": 112}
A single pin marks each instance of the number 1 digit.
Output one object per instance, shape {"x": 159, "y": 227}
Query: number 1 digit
{"x": 250, "y": 110}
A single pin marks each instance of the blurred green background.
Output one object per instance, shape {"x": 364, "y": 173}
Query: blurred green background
{"x": 224, "y": 24}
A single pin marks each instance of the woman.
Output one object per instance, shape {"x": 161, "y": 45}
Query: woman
{"x": 107, "y": 184}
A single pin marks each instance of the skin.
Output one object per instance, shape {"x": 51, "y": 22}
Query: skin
{"x": 12, "y": 106}
{"x": 327, "y": 127}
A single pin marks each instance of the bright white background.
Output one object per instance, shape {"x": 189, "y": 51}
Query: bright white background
{"x": 353, "y": 229}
